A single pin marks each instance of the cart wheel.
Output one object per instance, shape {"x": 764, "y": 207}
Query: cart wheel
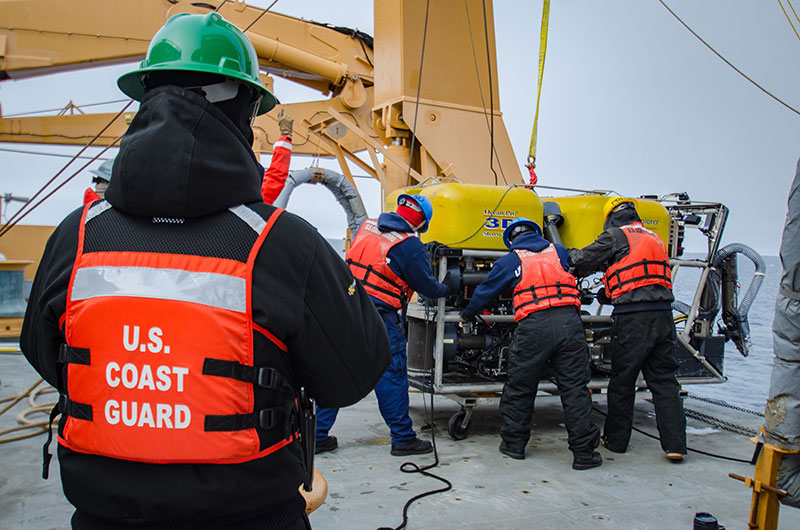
{"x": 454, "y": 428}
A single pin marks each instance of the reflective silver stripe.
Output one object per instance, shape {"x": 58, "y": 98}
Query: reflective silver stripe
{"x": 97, "y": 209}
{"x": 206, "y": 288}
{"x": 255, "y": 221}
{"x": 282, "y": 143}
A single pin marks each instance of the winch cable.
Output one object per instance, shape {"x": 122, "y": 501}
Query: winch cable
{"x": 764, "y": 90}
{"x": 19, "y": 214}
{"x": 491, "y": 94}
{"x": 411, "y": 467}
{"x": 692, "y": 449}
{"x": 480, "y": 86}
{"x": 787, "y": 15}
{"x": 419, "y": 87}
{"x": 542, "y": 52}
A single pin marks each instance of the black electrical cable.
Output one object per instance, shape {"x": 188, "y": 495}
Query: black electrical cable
{"x": 713, "y": 455}
{"x": 510, "y": 187}
{"x": 411, "y": 467}
{"x": 491, "y": 94}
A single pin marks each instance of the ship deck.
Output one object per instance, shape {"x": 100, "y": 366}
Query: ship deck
{"x": 366, "y": 488}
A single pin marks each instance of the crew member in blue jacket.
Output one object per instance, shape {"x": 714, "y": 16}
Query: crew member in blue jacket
{"x": 391, "y": 263}
{"x": 549, "y": 330}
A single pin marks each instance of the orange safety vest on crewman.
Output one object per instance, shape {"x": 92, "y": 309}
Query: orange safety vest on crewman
{"x": 159, "y": 356}
{"x": 543, "y": 284}
{"x": 647, "y": 263}
{"x": 367, "y": 261}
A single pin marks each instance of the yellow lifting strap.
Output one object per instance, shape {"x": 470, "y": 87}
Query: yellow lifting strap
{"x": 542, "y": 50}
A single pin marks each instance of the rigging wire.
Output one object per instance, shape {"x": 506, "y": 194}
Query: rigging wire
{"x": 19, "y": 215}
{"x": 787, "y": 16}
{"x": 770, "y": 94}
{"x": 259, "y": 16}
{"x": 491, "y": 94}
{"x": 419, "y": 87}
{"x": 42, "y": 153}
{"x": 62, "y": 108}
{"x": 480, "y": 85}
{"x": 792, "y": 8}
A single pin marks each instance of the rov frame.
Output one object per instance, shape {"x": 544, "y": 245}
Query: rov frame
{"x": 435, "y": 330}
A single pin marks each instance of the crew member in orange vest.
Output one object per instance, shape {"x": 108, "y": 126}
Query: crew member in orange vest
{"x": 638, "y": 282}
{"x": 102, "y": 176}
{"x": 275, "y": 175}
{"x": 549, "y": 331}
{"x": 391, "y": 263}
{"x": 183, "y": 321}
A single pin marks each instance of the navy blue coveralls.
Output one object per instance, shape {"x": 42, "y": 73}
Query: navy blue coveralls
{"x": 408, "y": 260}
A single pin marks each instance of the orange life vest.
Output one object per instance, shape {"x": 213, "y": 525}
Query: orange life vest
{"x": 647, "y": 263}
{"x": 159, "y": 356}
{"x": 544, "y": 283}
{"x": 367, "y": 261}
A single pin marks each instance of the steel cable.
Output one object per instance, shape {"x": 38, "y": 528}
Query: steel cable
{"x": 767, "y": 92}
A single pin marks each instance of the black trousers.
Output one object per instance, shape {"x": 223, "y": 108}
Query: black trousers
{"x": 552, "y": 336}
{"x": 644, "y": 341}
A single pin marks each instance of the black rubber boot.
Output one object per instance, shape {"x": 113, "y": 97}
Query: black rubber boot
{"x": 414, "y": 447}
{"x": 581, "y": 461}
{"x": 328, "y": 444}
{"x": 517, "y": 454}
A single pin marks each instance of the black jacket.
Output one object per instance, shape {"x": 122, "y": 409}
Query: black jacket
{"x": 609, "y": 248}
{"x": 183, "y": 159}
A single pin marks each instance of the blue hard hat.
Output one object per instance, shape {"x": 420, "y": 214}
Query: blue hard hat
{"x": 422, "y": 202}
{"x": 517, "y": 227}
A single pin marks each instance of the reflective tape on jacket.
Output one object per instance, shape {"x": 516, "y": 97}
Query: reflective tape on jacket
{"x": 647, "y": 263}
{"x": 543, "y": 283}
{"x": 159, "y": 356}
{"x": 367, "y": 261}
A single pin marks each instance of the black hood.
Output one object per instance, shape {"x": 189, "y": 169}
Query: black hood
{"x": 182, "y": 158}
{"x": 620, "y": 218}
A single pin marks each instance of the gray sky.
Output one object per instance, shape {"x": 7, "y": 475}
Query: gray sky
{"x": 631, "y": 102}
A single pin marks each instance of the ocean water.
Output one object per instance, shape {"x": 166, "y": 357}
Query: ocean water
{"x": 748, "y": 377}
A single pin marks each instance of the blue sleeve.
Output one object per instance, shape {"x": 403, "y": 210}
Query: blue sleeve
{"x": 563, "y": 256}
{"x": 409, "y": 260}
{"x": 503, "y": 277}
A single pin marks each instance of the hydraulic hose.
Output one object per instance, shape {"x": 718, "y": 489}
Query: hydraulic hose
{"x": 758, "y": 275}
{"x": 734, "y": 317}
{"x": 346, "y": 194}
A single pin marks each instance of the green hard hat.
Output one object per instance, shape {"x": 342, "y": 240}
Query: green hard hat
{"x": 200, "y": 43}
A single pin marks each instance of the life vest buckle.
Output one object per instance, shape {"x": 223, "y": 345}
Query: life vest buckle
{"x": 267, "y": 418}
{"x": 268, "y": 378}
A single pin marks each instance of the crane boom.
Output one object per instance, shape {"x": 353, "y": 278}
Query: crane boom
{"x": 448, "y": 121}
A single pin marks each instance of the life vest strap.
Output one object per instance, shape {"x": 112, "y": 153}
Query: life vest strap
{"x": 366, "y": 282}
{"x": 647, "y": 274}
{"x": 261, "y": 419}
{"x": 79, "y": 411}
{"x": 70, "y": 354}
{"x": 559, "y": 286}
{"x": 263, "y": 376}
